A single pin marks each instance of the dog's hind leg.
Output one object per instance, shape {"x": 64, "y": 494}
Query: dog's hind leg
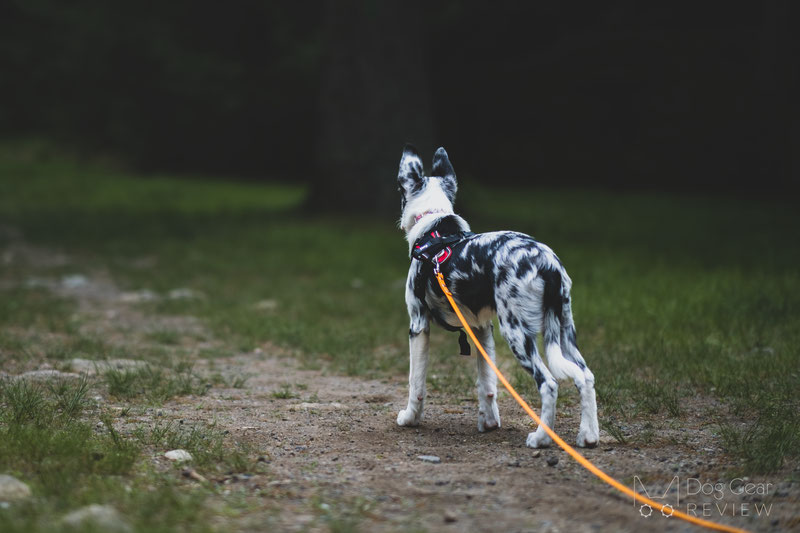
{"x": 488, "y": 414}
{"x": 563, "y": 357}
{"x": 418, "y": 340}
{"x": 521, "y": 337}
{"x": 589, "y": 431}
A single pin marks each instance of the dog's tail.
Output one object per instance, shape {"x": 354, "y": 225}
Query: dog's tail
{"x": 560, "y": 345}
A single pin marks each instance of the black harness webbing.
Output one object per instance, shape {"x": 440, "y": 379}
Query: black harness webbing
{"x": 436, "y": 249}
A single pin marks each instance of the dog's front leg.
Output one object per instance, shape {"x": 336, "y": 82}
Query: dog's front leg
{"x": 488, "y": 414}
{"x": 418, "y": 340}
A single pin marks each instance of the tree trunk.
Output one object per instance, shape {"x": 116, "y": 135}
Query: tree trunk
{"x": 374, "y": 98}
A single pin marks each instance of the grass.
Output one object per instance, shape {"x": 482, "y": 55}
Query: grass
{"x": 677, "y": 298}
{"x": 48, "y": 439}
{"x": 284, "y": 393}
{"x": 155, "y": 384}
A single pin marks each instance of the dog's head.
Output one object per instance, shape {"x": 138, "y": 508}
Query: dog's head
{"x": 423, "y": 194}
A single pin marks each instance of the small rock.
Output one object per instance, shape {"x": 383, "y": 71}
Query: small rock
{"x": 552, "y": 460}
{"x": 138, "y": 296}
{"x": 75, "y": 281}
{"x": 536, "y": 454}
{"x": 179, "y": 456}
{"x": 319, "y": 406}
{"x": 12, "y": 489}
{"x": 185, "y": 294}
{"x": 450, "y": 516}
{"x": 44, "y": 375}
{"x": 192, "y": 474}
{"x": 266, "y": 305}
{"x": 89, "y": 367}
{"x": 97, "y": 517}
{"x": 429, "y": 459}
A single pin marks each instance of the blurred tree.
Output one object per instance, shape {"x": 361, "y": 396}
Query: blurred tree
{"x": 649, "y": 94}
{"x": 374, "y": 97}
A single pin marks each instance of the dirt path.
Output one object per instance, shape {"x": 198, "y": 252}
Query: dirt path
{"x": 344, "y": 446}
{"x": 334, "y": 459}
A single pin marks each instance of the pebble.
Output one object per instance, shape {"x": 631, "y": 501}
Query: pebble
{"x": 192, "y": 474}
{"x": 12, "y": 489}
{"x": 536, "y": 454}
{"x": 184, "y": 294}
{"x": 429, "y": 459}
{"x": 138, "y": 296}
{"x": 179, "y": 456}
{"x": 319, "y": 406}
{"x": 87, "y": 366}
{"x": 552, "y": 460}
{"x": 74, "y": 281}
{"x": 450, "y": 516}
{"x": 44, "y": 375}
{"x": 266, "y": 305}
{"x": 97, "y": 517}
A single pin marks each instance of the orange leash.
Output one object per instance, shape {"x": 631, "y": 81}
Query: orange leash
{"x": 666, "y": 510}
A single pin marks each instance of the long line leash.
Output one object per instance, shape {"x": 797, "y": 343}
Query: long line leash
{"x": 666, "y": 509}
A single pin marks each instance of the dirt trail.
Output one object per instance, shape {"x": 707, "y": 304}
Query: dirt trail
{"x": 345, "y": 445}
{"x": 334, "y": 459}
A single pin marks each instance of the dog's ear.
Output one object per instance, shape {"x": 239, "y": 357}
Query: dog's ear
{"x": 443, "y": 168}
{"x": 410, "y": 176}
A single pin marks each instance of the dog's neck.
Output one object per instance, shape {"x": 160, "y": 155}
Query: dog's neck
{"x": 419, "y": 217}
{"x": 427, "y": 221}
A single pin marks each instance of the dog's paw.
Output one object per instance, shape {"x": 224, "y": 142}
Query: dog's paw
{"x": 538, "y": 439}
{"x": 408, "y": 417}
{"x": 587, "y": 438}
{"x": 489, "y": 421}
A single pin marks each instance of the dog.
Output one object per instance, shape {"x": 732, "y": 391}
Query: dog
{"x": 504, "y": 274}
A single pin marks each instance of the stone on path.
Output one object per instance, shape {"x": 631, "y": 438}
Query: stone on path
{"x": 47, "y": 374}
{"x": 99, "y": 517}
{"x": 12, "y": 489}
{"x": 179, "y": 456}
{"x": 90, "y": 367}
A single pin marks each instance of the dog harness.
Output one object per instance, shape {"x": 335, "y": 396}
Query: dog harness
{"x": 435, "y": 249}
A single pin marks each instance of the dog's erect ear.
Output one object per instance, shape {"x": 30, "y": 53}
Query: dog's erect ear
{"x": 410, "y": 176}
{"x": 441, "y": 164}
{"x": 443, "y": 168}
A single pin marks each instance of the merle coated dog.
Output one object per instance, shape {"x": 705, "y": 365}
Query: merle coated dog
{"x": 501, "y": 273}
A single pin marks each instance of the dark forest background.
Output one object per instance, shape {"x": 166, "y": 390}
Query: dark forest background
{"x": 658, "y": 95}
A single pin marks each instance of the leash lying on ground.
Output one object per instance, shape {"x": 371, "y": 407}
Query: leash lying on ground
{"x": 666, "y": 510}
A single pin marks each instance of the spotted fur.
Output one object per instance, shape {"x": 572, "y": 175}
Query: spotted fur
{"x": 504, "y": 274}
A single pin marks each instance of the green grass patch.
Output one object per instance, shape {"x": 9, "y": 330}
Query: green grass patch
{"x": 154, "y": 384}
{"x": 49, "y": 440}
{"x": 206, "y": 443}
{"x": 284, "y": 393}
{"x": 675, "y": 297}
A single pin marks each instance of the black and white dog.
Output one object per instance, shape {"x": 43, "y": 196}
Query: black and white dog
{"x": 504, "y": 273}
